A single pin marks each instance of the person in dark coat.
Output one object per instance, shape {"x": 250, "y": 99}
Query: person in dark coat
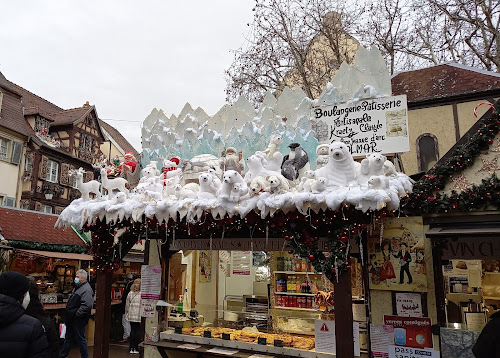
{"x": 488, "y": 342}
{"x": 21, "y": 336}
{"x": 77, "y": 315}
{"x": 35, "y": 309}
{"x": 404, "y": 261}
{"x": 125, "y": 322}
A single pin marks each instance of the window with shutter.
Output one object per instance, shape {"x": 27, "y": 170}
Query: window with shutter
{"x": 17, "y": 152}
{"x": 4, "y": 149}
{"x": 65, "y": 174}
{"x": 44, "y": 163}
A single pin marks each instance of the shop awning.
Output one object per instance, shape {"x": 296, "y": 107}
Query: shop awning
{"x": 477, "y": 231}
{"x": 58, "y": 255}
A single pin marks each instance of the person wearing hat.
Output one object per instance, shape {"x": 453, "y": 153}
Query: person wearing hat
{"x": 21, "y": 336}
{"x": 77, "y": 315}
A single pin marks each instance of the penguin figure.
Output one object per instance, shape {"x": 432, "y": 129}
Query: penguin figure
{"x": 295, "y": 162}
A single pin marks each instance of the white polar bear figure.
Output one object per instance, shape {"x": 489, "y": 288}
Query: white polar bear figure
{"x": 238, "y": 191}
{"x": 390, "y": 169}
{"x": 318, "y": 186}
{"x": 150, "y": 181}
{"x": 341, "y": 169}
{"x": 274, "y": 145}
{"x": 277, "y": 184}
{"x": 257, "y": 185}
{"x": 216, "y": 183}
{"x": 307, "y": 180}
{"x": 182, "y": 193}
{"x": 207, "y": 190}
{"x": 322, "y": 152}
{"x": 256, "y": 168}
{"x": 377, "y": 196}
{"x": 372, "y": 165}
{"x": 229, "y": 178}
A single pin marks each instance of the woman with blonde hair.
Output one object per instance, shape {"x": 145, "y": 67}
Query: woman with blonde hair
{"x": 133, "y": 314}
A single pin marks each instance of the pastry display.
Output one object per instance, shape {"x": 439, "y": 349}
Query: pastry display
{"x": 288, "y": 340}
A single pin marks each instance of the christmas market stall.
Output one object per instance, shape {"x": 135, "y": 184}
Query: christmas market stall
{"x": 264, "y": 248}
{"x": 50, "y": 256}
{"x": 459, "y": 199}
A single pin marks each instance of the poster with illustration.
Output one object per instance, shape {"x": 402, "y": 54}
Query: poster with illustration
{"x": 397, "y": 256}
{"x": 205, "y": 266}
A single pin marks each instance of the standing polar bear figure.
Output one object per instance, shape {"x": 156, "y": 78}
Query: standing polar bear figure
{"x": 341, "y": 169}
{"x": 230, "y": 178}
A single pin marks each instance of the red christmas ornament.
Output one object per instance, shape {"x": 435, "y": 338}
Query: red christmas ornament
{"x": 290, "y": 252}
{"x": 287, "y": 238}
{"x": 344, "y": 239}
{"x": 311, "y": 258}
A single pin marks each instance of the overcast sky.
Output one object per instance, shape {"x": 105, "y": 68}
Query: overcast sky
{"x": 125, "y": 57}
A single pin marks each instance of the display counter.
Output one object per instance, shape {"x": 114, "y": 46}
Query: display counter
{"x": 204, "y": 347}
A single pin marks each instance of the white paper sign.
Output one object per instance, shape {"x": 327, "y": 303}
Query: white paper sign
{"x": 408, "y": 304}
{"x": 148, "y": 308}
{"x": 406, "y": 352}
{"x": 367, "y": 126}
{"x": 381, "y": 337}
{"x": 324, "y": 332}
{"x": 150, "y": 282}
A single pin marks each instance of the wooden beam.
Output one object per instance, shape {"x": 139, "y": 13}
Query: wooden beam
{"x": 344, "y": 335}
{"x": 102, "y": 314}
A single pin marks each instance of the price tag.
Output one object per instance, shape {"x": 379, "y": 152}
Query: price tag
{"x": 226, "y": 336}
{"x": 207, "y": 334}
{"x": 262, "y": 341}
{"x": 278, "y": 343}
{"x": 178, "y": 330}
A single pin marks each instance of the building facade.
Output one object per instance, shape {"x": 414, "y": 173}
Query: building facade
{"x": 42, "y": 142}
{"x": 441, "y": 103}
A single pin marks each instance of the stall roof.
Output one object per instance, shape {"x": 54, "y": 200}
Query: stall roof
{"x": 34, "y": 226}
{"x": 58, "y": 255}
{"x": 457, "y": 231}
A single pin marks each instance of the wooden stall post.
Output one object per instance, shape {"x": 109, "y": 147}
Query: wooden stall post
{"x": 102, "y": 314}
{"x": 344, "y": 335}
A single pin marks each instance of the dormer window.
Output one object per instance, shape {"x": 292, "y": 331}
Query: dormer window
{"x": 41, "y": 125}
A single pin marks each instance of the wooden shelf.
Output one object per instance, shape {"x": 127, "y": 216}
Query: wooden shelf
{"x": 294, "y": 294}
{"x": 298, "y": 273}
{"x": 492, "y": 298}
{"x": 492, "y": 273}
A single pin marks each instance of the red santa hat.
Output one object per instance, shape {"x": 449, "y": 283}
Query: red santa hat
{"x": 175, "y": 160}
{"x": 128, "y": 155}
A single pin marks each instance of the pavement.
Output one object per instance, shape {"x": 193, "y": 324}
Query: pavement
{"x": 115, "y": 351}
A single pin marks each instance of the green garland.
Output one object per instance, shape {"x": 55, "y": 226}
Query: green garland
{"x": 424, "y": 198}
{"x": 32, "y": 245}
